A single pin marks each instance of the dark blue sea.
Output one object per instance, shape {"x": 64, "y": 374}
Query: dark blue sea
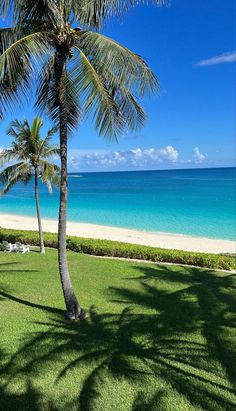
{"x": 198, "y": 202}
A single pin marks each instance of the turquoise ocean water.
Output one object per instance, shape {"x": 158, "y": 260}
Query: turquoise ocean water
{"x": 200, "y": 202}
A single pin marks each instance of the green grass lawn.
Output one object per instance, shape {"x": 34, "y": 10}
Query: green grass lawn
{"x": 156, "y": 338}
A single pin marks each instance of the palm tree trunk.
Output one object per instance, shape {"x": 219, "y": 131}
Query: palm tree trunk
{"x": 41, "y": 242}
{"x": 73, "y": 309}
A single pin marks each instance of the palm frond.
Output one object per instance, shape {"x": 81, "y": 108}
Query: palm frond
{"x": 44, "y": 146}
{"x": 34, "y": 11}
{"x": 128, "y": 68}
{"x": 7, "y": 155}
{"x": 49, "y": 174}
{"x": 14, "y": 128}
{"x": 51, "y": 133}
{"x": 34, "y": 134}
{"x": 95, "y": 98}
{"x": 13, "y": 174}
{"x": 117, "y": 76}
{"x": 18, "y": 63}
{"x": 132, "y": 113}
{"x": 31, "y": 49}
{"x": 8, "y": 88}
{"x": 51, "y": 152}
{"x": 8, "y": 36}
{"x": 93, "y": 13}
{"x": 25, "y": 141}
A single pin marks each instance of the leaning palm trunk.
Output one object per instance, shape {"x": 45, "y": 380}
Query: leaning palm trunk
{"x": 72, "y": 305}
{"x": 41, "y": 242}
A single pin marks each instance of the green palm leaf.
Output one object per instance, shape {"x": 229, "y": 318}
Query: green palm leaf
{"x": 7, "y": 155}
{"x": 127, "y": 67}
{"x": 96, "y": 99}
{"x": 93, "y": 13}
{"x": 30, "y": 49}
{"x": 132, "y": 113}
{"x": 13, "y": 174}
{"x": 49, "y": 174}
{"x": 19, "y": 63}
{"x": 52, "y": 152}
{"x": 34, "y": 11}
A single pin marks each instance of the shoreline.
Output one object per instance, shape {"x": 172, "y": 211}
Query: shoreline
{"x": 153, "y": 239}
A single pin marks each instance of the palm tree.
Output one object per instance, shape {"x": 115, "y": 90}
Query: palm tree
{"x": 80, "y": 72}
{"x": 30, "y": 152}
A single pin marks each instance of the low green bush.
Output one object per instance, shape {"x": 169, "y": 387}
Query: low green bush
{"x": 125, "y": 250}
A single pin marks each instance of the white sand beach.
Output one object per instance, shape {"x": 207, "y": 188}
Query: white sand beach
{"x": 154, "y": 239}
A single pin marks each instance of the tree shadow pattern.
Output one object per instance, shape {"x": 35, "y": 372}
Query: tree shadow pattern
{"x": 179, "y": 340}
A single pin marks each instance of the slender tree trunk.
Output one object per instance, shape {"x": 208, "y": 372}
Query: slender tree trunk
{"x": 73, "y": 308}
{"x": 41, "y": 242}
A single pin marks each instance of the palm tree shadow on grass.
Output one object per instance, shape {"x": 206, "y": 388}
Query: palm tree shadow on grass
{"x": 52, "y": 310}
{"x": 215, "y": 303}
{"x": 27, "y": 401}
{"x": 4, "y": 268}
{"x": 157, "y": 344}
{"x": 10, "y": 263}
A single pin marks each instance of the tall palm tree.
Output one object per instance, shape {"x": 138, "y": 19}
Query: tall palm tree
{"x": 80, "y": 72}
{"x": 31, "y": 153}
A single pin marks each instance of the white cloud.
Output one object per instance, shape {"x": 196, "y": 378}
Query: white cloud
{"x": 198, "y": 156}
{"x": 137, "y": 152}
{"x": 140, "y": 158}
{"x": 222, "y": 58}
{"x": 170, "y": 153}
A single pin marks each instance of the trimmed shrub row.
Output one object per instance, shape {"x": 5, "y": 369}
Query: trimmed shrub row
{"x": 125, "y": 250}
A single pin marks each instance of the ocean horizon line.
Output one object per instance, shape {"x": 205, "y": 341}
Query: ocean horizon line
{"x": 151, "y": 170}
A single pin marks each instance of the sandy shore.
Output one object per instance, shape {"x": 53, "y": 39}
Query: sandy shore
{"x": 157, "y": 239}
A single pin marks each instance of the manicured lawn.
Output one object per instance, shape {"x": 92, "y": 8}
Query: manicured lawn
{"x": 156, "y": 338}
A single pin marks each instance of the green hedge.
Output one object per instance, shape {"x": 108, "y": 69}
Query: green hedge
{"x": 118, "y": 249}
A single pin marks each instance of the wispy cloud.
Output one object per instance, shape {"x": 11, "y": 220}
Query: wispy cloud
{"x": 221, "y": 59}
{"x": 198, "y": 156}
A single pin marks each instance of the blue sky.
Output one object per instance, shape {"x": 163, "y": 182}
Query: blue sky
{"x": 191, "y": 121}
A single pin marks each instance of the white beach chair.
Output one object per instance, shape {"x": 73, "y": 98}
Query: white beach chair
{"x": 18, "y": 246}
{"x": 9, "y": 248}
{"x": 26, "y": 248}
{"x": 22, "y": 248}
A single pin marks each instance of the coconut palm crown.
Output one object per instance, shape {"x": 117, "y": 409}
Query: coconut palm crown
{"x": 79, "y": 72}
{"x": 30, "y": 155}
